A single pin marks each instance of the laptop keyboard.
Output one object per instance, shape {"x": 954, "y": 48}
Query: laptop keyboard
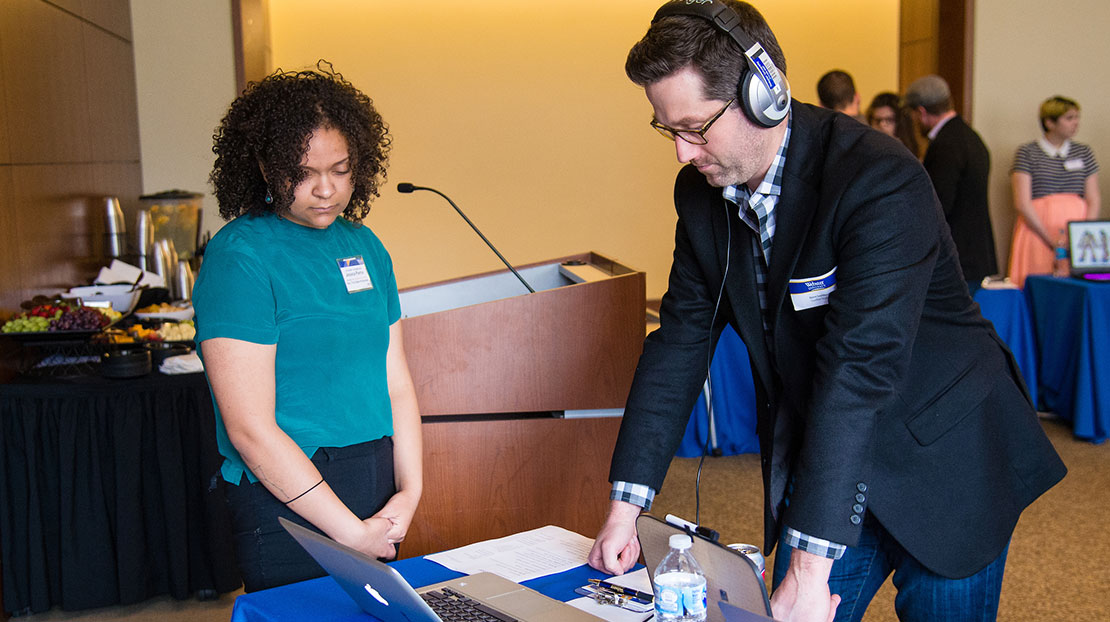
{"x": 451, "y": 606}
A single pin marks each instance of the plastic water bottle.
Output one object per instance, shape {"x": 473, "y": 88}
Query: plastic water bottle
{"x": 679, "y": 584}
{"x": 1060, "y": 267}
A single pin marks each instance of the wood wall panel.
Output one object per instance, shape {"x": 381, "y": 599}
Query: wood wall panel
{"x": 955, "y": 42}
{"x": 68, "y": 135}
{"x": 5, "y": 142}
{"x": 72, "y": 6}
{"x": 56, "y": 235}
{"x": 9, "y": 256}
{"x": 917, "y": 50}
{"x": 111, "y": 15}
{"x": 916, "y": 59}
{"x": 123, "y": 180}
{"x": 112, "y": 101}
{"x": 253, "y": 54}
{"x": 918, "y": 19}
{"x": 542, "y": 472}
{"x": 45, "y": 85}
{"x": 937, "y": 37}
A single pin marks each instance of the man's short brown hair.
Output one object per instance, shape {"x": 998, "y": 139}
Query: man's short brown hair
{"x": 678, "y": 41}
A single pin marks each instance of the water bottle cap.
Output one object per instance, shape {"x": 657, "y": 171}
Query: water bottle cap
{"x": 681, "y": 541}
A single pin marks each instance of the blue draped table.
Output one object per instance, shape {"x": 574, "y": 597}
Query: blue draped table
{"x": 734, "y": 391}
{"x": 1072, "y": 323}
{"x": 322, "y": 600}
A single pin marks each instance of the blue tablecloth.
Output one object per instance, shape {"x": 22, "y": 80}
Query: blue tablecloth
{"x": 733, "y": 403}
{"x": 734, "y": 392}
{"x": 322, "y": 600}
{"x": 1008, "y": 310}
{"x": 1072, "y": 325}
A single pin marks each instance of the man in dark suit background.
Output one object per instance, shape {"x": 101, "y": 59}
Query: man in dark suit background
{"x": 836, "y": 90}
{"x": 959, "y": 164}
{"x": 895, "y": 431}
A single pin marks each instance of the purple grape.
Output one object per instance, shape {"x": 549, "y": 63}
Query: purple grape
{"x": 79, "y": 319}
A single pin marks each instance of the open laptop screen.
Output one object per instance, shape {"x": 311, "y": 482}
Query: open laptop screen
{"x": 1089, "y": 247}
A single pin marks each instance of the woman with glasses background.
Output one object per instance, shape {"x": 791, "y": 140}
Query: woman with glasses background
{"x": 887, "y": 114}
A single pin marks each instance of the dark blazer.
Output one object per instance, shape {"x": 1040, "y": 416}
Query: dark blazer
{"x": 959, "y": 164}
{"x": 896, "y": 398}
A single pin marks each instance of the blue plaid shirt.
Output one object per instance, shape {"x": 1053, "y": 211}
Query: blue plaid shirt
{"x": 757, "y": 211}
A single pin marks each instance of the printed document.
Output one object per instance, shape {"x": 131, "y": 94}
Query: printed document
{"x": 521, "y": 556}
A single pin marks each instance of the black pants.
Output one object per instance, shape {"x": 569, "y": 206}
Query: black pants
{"x": 361, "y": 475}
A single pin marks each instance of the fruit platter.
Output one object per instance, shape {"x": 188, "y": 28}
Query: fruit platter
{"x": 55, "y": 319}
{"x": 166, "y": 331}
{"x": 165, "y": 311}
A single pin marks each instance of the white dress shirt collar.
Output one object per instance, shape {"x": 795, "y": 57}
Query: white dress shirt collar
{"x": 1053, "y": 151}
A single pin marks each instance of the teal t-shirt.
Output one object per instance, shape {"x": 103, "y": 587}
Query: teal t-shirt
{"x": 267, "y": 280}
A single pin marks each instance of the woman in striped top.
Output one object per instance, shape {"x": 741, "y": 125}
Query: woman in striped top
{"x": 1054, "y": 180}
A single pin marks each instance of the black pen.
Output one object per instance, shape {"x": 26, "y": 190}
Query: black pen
{"x": 624, "y": 591}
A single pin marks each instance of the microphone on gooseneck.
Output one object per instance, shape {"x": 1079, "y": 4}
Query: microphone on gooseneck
{"x": 407, "y": 188}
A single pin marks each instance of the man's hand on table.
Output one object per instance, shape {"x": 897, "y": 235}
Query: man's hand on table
{"x": 616, "y": 548}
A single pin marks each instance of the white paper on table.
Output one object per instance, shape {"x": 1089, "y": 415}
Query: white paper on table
{"x": 638, "y": 581}
{"x": 612, "y": 613}
{"x": 521, "y": 556}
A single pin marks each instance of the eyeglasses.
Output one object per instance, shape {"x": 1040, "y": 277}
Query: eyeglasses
{"x": 694, "y": 137}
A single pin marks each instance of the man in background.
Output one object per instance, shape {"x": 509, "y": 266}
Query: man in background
{"x": 959, "y": 164}
{"x": 837, "y": 91}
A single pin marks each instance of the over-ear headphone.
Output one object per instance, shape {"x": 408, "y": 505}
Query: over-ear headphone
{"x": 763, "y": 92}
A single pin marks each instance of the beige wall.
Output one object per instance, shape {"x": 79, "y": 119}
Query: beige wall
{"x": 1025, "y": 52}
{"x": 521, "y": 113}
{"x": 185, "y": 78}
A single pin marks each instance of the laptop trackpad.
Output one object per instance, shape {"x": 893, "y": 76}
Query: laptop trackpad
{"x": 517, "y": 600}
{"x": 523, "y": 604}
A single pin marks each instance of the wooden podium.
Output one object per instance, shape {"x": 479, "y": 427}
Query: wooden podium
{"x": 521, "y": 395}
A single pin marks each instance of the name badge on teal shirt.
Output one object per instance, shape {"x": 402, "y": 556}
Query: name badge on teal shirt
{"x": 812, "y": 292}
{"x": 355, "y": 276}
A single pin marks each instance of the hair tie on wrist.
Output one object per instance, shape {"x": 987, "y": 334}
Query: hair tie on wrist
{"x": 310, "y": 488}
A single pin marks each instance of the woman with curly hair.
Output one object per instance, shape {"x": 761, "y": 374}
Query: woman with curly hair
{"x": 297, "y": 323}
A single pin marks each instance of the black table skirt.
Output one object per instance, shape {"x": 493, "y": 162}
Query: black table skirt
{"x": 109, "y": 493}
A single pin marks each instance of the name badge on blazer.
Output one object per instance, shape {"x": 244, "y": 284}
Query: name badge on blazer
{"x": 812, "y": 292}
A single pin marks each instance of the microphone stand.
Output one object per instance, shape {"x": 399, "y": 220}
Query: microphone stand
{"x": 407, "y": 188}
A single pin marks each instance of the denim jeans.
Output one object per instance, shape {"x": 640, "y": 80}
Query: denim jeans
{"x": 360, "y": 475}
{"x": 922, "y": 595}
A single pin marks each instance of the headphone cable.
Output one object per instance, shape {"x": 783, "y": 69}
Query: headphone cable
{"x": 708, "y": 375}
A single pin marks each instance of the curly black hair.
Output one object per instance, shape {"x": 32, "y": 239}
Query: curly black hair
{"x": 268, "y": 128}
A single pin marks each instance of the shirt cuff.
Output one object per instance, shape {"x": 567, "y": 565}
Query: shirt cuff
{"x": 636, "y": 494}
{"x": 812, "y": 544}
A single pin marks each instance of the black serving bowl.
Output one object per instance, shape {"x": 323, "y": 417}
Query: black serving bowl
{"x": 125, "y": 363}
{"x": 162, "y": 350}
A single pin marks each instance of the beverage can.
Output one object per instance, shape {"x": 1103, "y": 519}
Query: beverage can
{"x": 752, "y": 552}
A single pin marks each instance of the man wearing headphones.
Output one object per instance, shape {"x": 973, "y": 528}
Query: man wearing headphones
{"x": 896, "y": 433}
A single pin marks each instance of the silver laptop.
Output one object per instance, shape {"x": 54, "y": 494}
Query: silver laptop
{"x": 382, "y": 592}
{"x": 736, "y": 614}
{"x": 732, "y": 578}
